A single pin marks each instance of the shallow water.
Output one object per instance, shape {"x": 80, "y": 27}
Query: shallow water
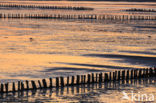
{"x": 34, "y": 49}
{"x": 31, "y": 49}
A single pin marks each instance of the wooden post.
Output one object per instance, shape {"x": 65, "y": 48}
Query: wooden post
{"x": 19, "y": 85}
{"x": 96, "y": 77}
{"x": 100, "y": 77}
{"x": 110, "y": 76}
{"x": 114, "y": 75}
{"x": 147, "y": 74}
{"x": 150, "y": 72}
{"x": 13, "y": 87}
{"x": 33, "y": 85}
{"x": 106, "y": 78}
{"x": 132, "y": 74}
{"x": 51, "y": 83}
{"x": 68, "y": 81}
{"x": 22, "y": 86}
{"x": 6, "y": 87}
{"x": 78, "y": 80}
{"x": 44, "y": 83}
{"x": 88, "y": 78}
{"x": 123, "y": 75}
{"x": 27, "y": 85}
{"x": 62, "y": 81}
{"x": 2, "y": 88}
{"x": 40, "y": 86}
{"x": 57, "y": 82}
{"x": 82, "y": 79}
{"x": 136, "y": 73}
{"x": 118, "y": 75}
{"x": 127, "y": 76}
{"x": 73, "y": 80}
{"x": 140, "y": 73}
{"x": 92, "y": 77}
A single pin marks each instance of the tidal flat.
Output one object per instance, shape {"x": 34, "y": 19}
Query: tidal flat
{"x": 32, "y": 49}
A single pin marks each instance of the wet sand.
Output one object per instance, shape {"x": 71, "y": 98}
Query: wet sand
{"x": 33, "y": 49}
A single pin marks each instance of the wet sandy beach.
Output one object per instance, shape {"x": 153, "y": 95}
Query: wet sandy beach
{"x": 32, "y": 49}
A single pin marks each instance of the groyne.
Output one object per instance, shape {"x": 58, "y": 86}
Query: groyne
{"x": 77, "y": 16}
{"x": 90, "y": 78}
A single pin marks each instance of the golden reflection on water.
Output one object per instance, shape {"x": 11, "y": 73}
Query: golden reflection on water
{"x": 35, "y": 49}
{"x": 111, "y": 92}
{"x": 29, "y": 47}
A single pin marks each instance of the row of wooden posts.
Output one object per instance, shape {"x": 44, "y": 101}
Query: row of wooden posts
{"x": 78, "y": 80}
{"x": 141, "y": 10}
{"x": 76, "y": 16}
{"x": 46, "y": 7}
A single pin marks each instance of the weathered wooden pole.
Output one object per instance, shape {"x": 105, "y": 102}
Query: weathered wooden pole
{"x": 114, "y": 75}
{"x": 22, "y": 86}
{"x": 144, "y": 73}
{"x": 118, "y": 75}
{"x": 132, "y": 74}
{"x": 123, "y": 75}
{"x": 82, "y": 79}
{"x": 106, "y": 78}
{"x": 147, "y": 74}
{"x": 62, "y": 81}
{"x": 88, "y": 76}
{"x": 19, "y": 85}
{"x": 96, "y": 77}
{"x": 110, "y": 76}
{"x": 57, "y": 82}
{"x": 6, "y": 87}
{"x": 100, "y": 77}
{"x": 68, "y": 81}
{"x": 127, "y": 76}
{"x": 93, "y": 78}
{"x": 78, "y": 80}
{"x": 33, "y": 85}
{"x": 13, "y": 87}
{"x": 27, "y": 85}
{"x": 44, "y": 83}
{"x": 73, "y": 80}
{"x": 39, "y": 83}
{"x": 140, "y": 73}
{"x": 51, "y": 83}
{"x": 2, "y": 88}
{"x": 136, "y": 73}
